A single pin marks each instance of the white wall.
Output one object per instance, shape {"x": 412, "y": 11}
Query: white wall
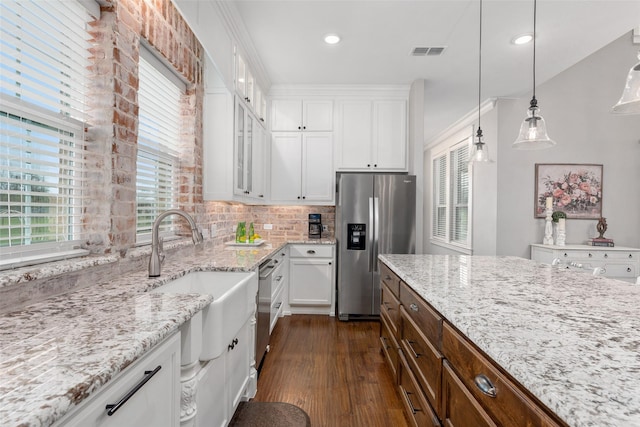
{"x": 575, "y": 105}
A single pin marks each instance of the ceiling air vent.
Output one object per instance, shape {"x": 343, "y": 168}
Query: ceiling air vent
{"x": 427, "y": 51}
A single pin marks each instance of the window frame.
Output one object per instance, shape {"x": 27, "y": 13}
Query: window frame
{"x": 445, "y": 151}
{"x": 162, "y": 152}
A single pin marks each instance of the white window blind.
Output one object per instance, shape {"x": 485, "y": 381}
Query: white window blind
{"x": 159, "y": 100}
{"x": 44, "y": 52}
{"x": 451, "y": 187}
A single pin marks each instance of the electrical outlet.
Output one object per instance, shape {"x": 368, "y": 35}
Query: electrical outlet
{"x": 325, "y": 227}
{"x": 268, "y": 226}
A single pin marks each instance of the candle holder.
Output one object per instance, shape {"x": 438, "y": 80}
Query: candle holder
{"x": 548, "y": 228}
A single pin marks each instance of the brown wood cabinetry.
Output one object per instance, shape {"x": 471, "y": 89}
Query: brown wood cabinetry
{"x": 442, "y": 376}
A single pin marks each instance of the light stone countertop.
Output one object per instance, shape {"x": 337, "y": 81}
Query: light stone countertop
{"x": 570, "y": 338}
{"x": 57, "y": 352}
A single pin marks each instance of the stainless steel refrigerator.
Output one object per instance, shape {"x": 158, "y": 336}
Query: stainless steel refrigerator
{"x": 375, "y": 213}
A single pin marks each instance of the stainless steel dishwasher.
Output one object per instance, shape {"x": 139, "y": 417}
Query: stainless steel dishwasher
{"x": 263, "y": 302}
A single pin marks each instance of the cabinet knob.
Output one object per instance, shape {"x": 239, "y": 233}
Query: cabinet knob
{"x": 628, "y": 269}
{"x": 375, "y": 165}
{"x": 565, "y": 255}
{"x": 329, "y": 262}
{"x": 630, "y": 256}
{"x": 304, "y": 127}
{"x": 299, "y": 127}
{"x": 304, "y": 197}
{"x": 590, "y": 255}
{"x": 368, "y": 165}
{"x": 298, "y": 197}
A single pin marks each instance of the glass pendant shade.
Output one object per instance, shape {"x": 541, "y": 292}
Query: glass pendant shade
{"x": 629, "y": 102}
{"x": 480, "y": 153}
{"x": 533, "y": 132}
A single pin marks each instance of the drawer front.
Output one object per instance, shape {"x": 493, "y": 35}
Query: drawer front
{"x": 460, "y": 409}
{"x": 508, "y": 405}
{"x": 419, "y": 412}
{"x": 620, "y": 270}
{"x": 389, "y": 346}
{"x": 390, "y": 279}
{"x": 390, "y": 307}
{"x": 311, "y": 251}
{"x": 599, "y": 255}
{"x": 426, "y": 319}
{"x": 423, "y": 358}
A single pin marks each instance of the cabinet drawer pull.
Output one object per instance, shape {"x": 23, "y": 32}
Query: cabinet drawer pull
{"x": 485, "y": 385}
{"x": 111, "y": 409}
{"x": 415, "y": 354}
{"x": 413, "y": 307}
{"x": 409, "y": 402}
{"x": 311, "y": 252}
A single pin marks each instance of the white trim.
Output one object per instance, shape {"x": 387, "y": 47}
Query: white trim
{"x": 636, "y": 35}
{"x": 333, "y": 91}
{"x": 151, "y": 55}
{"x": 23, "y": 261}
{"x": 456, "y": 126}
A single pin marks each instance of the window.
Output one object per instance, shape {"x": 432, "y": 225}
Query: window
{"x": 159, "y": 98}
{"x": 44, "y": 49}
{"x": 451, "y": 189}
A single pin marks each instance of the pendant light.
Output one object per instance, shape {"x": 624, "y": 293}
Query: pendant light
{"x": 480, "y": 152}
{"x": 629, "y": 102}
{"x": 533, "y": 132}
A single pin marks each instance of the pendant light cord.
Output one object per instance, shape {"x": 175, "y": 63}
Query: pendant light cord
{"x": 534, "y": 101}
{"x": 479, "y": 133}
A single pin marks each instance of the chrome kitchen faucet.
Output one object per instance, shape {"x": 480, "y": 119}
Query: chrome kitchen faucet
{"x": 157, "y": 254}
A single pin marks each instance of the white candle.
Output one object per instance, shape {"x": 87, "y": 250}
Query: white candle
{"x": 561, "y": 224}
{"x": 549, "y": 202}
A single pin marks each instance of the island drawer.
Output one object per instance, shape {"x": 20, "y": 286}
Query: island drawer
{"x": 424, "y": 359}
{"x": 420, "y": 412}
{"x": 390, "y": 279}
{"x": 389, "y": 345}
{"x": 390, "y": 306}
{"x": 425, "y": 318}
{"x": 503, "y": 400}
{"x": 459, "y": 407}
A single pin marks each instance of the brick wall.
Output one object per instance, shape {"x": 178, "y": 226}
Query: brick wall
{"x": 110, "y": 214}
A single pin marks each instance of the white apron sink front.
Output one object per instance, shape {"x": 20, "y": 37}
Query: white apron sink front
{"x": 233, "y": 301}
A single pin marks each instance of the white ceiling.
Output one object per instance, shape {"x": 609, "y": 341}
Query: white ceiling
{"x": 377, "y": 37}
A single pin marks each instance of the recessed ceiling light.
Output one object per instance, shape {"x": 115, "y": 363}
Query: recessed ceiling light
{"x": 522, "y": 39}
{"x": 331, "y": 39}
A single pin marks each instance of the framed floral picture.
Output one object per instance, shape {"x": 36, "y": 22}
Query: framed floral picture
{"x": 576, "y": 190}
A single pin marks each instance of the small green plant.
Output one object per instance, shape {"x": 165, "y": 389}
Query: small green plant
{"x": 557, "y": 215}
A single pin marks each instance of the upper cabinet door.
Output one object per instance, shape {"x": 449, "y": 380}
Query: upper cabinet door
{"x": 354, "y": 122}
{"x": 286, "y": 115}
{"x": 390, "y": 134}
{"x": 317, "y": 116}
{"x": 286, "y": 167}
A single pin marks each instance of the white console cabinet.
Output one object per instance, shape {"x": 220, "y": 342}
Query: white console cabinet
{"x": 311, "y": 275}
{"x": 152, "y": 385}
{"x": 617, "y": 262}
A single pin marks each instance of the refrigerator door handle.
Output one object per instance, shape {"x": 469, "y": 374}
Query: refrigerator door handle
{"x": 370, "y": 237}
{"x": 376, "y": 231}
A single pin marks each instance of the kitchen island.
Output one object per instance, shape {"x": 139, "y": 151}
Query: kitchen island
{"x": 59, "y": 351}
{"x": 569, "y": 338}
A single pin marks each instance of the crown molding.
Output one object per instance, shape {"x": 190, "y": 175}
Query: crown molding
{"x": 461, "y": 123}
{"x": 337, "y": 91}
{"x": 239, "y": 34}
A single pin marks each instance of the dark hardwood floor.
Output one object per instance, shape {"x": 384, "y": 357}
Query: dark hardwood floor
{"x": 333, "y": 370}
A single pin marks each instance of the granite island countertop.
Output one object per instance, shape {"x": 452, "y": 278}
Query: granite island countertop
{"x": 570, "y": 338}
{"x": 57, "y": 352}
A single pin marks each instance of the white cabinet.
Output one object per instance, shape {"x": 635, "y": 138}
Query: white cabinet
{"x": 617, "y": 262}
{"x": 301, "y": 115}
{"x": 153, "y": 386}
{"x": 279, "y": 287}
{"x": 372, "y": 135}
{"x": 250, "y": 140}
{"x": 311, "y": 279}
{"x": 302, "y": 168}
